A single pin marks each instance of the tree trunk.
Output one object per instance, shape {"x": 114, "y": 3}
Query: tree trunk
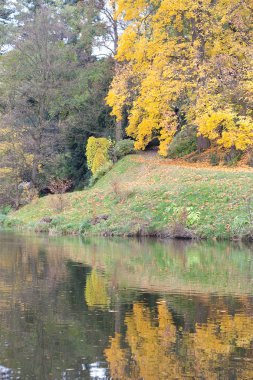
{"x": 34, "y": 172}
{"x": 118, "y": 131}
{"x": 203, "y": 143}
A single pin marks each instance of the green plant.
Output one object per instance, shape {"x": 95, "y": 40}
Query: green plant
{"x": 214, "y": 159}
{"x": 186, "y": 216}
{"x": 57, "y": 221}
{"x": 40, "y": 227}
{"x": 101, "y": 172}
{"x": 2, "y": 218}
{"x": 242, "y": 225}
{"x": 123, "y": 148}
{"x": 5, "y": 210}
{"x": 85, "y": 226}
{"x": 185, "y": 142}
{"x": 250, "y": 209}
{"x": 239, "y": 225}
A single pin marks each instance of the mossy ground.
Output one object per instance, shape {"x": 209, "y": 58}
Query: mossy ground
{"x": 143, "y": 194}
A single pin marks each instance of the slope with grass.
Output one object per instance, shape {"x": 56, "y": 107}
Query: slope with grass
{"x": 146, "y": 195}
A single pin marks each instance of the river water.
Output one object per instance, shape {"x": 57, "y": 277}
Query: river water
{"x": 124, "y": 309}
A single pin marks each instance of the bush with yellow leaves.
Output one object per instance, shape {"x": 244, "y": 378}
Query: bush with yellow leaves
{"x": 97, "y": 153}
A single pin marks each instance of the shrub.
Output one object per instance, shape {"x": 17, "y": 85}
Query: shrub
{"x": 97, "y": 153}
{"x": 182, "y": 220}
{"x": 123, "y": 148}
{"x": 232, "y": 157}
{"x": 3, "y": 218}
{"x": 40, "y": 227}
{"x": 186, "y": 216}
{"x": 250, "y": 161}
{"x": 28, "y": 194}
{"x": 5, "y": 210}
{"x": 57, "y": 221}
{"x": 59, "y": 186}
{"x": 10, "y": 223}
{"x": 101, "y": 172}
{"x": 185, "y": 142}
{"x": 58, "y": 203}
{"x": 84, "y": 226}
{"x": 214, "y": 159}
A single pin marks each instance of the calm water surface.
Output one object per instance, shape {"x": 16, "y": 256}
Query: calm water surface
{"x": 124, "y": 309}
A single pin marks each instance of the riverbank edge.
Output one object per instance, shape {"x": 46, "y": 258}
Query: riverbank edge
{"x": 158, "y": 235}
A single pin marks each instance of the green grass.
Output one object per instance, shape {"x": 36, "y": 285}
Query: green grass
{"x": 147, "y": 195}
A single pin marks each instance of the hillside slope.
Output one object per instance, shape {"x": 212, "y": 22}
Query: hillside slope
{"x": 145, "y": 195}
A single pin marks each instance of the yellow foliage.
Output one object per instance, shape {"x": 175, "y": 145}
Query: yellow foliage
{"x": 187, "y": 55}
{"x": 149, "y": 345}
{"x": 5, "y": 171}
{"x": 155, "y": 346}
{"x": 14, "y": 161}
{"x": 97, "y": 152}
{"x": 116, "y": 356}
{"x": 228, "y": 129}
{"x": 96, "y": 291}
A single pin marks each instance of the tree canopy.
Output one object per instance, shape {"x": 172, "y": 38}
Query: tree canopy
{"x": 185, "y": 59}
{"x": 53, "y": 87}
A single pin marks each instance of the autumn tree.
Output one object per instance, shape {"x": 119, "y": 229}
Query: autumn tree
{"x": 190, "y": 59}
{"x": 15, "y": 165}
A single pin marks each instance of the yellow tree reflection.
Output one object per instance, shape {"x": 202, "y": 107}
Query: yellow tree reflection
{"x": 221, "y": 337}
{"x": 154, "y": 348}
{"x": 96, "y": 291}
{"x": 149, "y": 341}
{"x": 117, "y": 357}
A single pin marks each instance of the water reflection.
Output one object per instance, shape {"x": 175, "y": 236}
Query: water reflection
{"x": 115, "y": 309}
{"x": 154, "y": 343}
{"x": 96, "y": 292}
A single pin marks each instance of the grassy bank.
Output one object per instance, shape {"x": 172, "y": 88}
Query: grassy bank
{"x": 145, "y": 195}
